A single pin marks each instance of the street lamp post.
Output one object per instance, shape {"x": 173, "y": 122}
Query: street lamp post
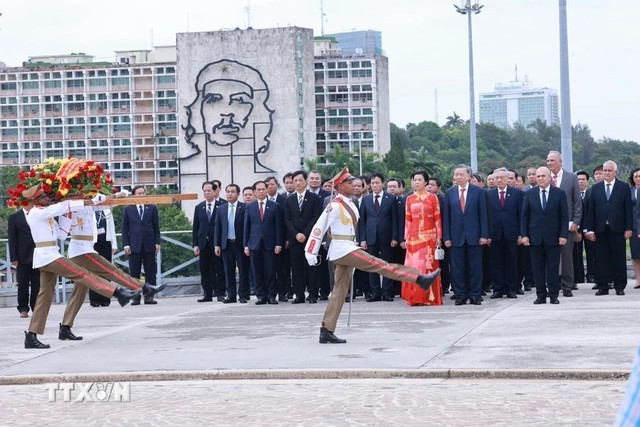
{"x": 466, "y": 8}
{"x": 565, "y": 96}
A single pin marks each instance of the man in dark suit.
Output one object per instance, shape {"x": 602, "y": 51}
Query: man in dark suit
{"x": 228, "y": 241}
{"x": 212, "y": 277}
{"x": 505, "y": 203}
{"x": 378, "y": 228}
{"x": 302, "y": 210}
{"x": 434, "y": 187}
{"x": 579, "y": 275}
{"x": 465, "y": 227}
{"x": 544, "y": 229}
{"x": 141, "y": 240}
{"x": 610, "y": 224}
{"x": 21, "y": 248}
{"x": 568, "y": 182}
{"x": 314, "y": 181}
{"x": 283, "y": 263}
{"x": 399, "y": 252}
{"x": 262, "y": 242}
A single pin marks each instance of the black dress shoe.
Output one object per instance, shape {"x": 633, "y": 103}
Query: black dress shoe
{"x": 519, "y": 291}
{"x": 554, "y": 300}
{"x": 389, "y": 299}
{"x": 106, "y": 303}
{"x": 425, "y": 280}
{"x": 461, "y": 301}
{"x": 327, "y": 337}
{"x": 243, "y": 301}
{"x": 125, "y": 295}
{"x": 374, "y": 299}
{"x": 453, "y": 296}
{"x": 475, "y": 301}
{"x": 527, "y": 288}
{"x": 620, "y": 292}
{"x": 272, "y": 301}
{"x": 594, "y": 287}
{"x": 511, "y": 294}
{"x": 205, "y": 299}
{"x": 602, "y": 292}
{"x": 445, "y": 291}
{"x": 229, "y": 301}
{"x": 495, "y": 295}
{"x": 574, "y": 287}
{"x": 220, "y": 298}
{"x": 567, "y": 293}
{"x": 540, "y": 300}
{"x": 282, "y": 298}
{"x": 312, "y": 301}
{"x": 150, "y": 301}
{"x": 66, "y": 334}
{"x": 261, "y": 301}
{"x": 95, "y": 304}
{"x": 298, "y": 301}
{"x": 289, "y": 295}
{"x": 31, "y": 341}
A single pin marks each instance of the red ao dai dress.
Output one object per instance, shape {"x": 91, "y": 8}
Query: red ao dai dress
{"x": 422, "y": 229}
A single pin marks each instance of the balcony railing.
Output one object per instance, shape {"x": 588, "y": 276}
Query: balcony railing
{"x": 174, "y": 272}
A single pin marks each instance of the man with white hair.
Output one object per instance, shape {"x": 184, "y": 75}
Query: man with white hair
{"x": 568, "y": 182}
{"x": 609, "y": 224}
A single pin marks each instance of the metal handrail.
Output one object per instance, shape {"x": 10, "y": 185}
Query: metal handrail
{"x": 119, "y": 259}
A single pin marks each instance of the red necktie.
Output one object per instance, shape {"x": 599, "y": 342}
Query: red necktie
{"x": 462, "y": 200}
{"x": 553, "y": 181}
{"x": 261, "y": 211}
{"x": 502, "y": 198}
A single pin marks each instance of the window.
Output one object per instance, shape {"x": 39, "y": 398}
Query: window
{"x": 120, "y": 81}
{"x": 49, "y": 84}
{"x": 8, "y": 86}
{"x": 30, "y": 85}
{"x": 75, "y": 83}
{"x": 166, "y": 79}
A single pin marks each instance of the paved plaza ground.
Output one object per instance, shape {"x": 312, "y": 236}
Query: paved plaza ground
{"x": 506, "y": 362}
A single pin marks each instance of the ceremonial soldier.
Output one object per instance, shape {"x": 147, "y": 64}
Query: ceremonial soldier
{"x": 84, "y": 234}
{"x": 47, "y": 257}
{"x": 341, "y": 217}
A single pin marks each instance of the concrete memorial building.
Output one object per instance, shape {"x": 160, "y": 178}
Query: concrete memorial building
{"x": 247, "y": 99}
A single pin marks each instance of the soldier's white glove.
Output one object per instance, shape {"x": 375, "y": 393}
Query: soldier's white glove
{"x": 100, "y": 198}
{"x": 312, "y": 259}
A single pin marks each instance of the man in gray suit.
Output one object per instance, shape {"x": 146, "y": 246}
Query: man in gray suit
{"x": 568, "y": 182}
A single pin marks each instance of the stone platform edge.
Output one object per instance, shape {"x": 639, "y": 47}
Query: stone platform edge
{"x": 318, "y": 374}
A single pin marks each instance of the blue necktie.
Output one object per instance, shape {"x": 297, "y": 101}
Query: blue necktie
{"x": 608, "y": 191}
{"x": 544, "y": 200}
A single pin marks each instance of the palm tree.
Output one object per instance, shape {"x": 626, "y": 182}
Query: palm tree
{"x": 453, "y": 121}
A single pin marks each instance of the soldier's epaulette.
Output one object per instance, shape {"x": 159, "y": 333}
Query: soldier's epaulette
{"x": 338, "y": 199}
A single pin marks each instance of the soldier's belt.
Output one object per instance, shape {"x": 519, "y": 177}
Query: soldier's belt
{"x": 343, "y": 237}
{"x": 82, "y": 237}
{"x": 45, "y": 244}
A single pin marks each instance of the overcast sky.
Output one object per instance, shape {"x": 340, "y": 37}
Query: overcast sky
{"x": 425, "y": 40}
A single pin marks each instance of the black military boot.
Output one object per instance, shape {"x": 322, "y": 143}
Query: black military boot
{"x": 327, "y": 337}
{"x": 425, "y": 280}
{"x": 31, "y": 341}
{"x": 66, "y": 334}
{"x": 149, "y": 290}
{"x": 125, "y": 295}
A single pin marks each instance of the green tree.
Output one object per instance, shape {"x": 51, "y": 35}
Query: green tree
{"x": 453, "y": 121}
{"x": 395, "y": 159}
